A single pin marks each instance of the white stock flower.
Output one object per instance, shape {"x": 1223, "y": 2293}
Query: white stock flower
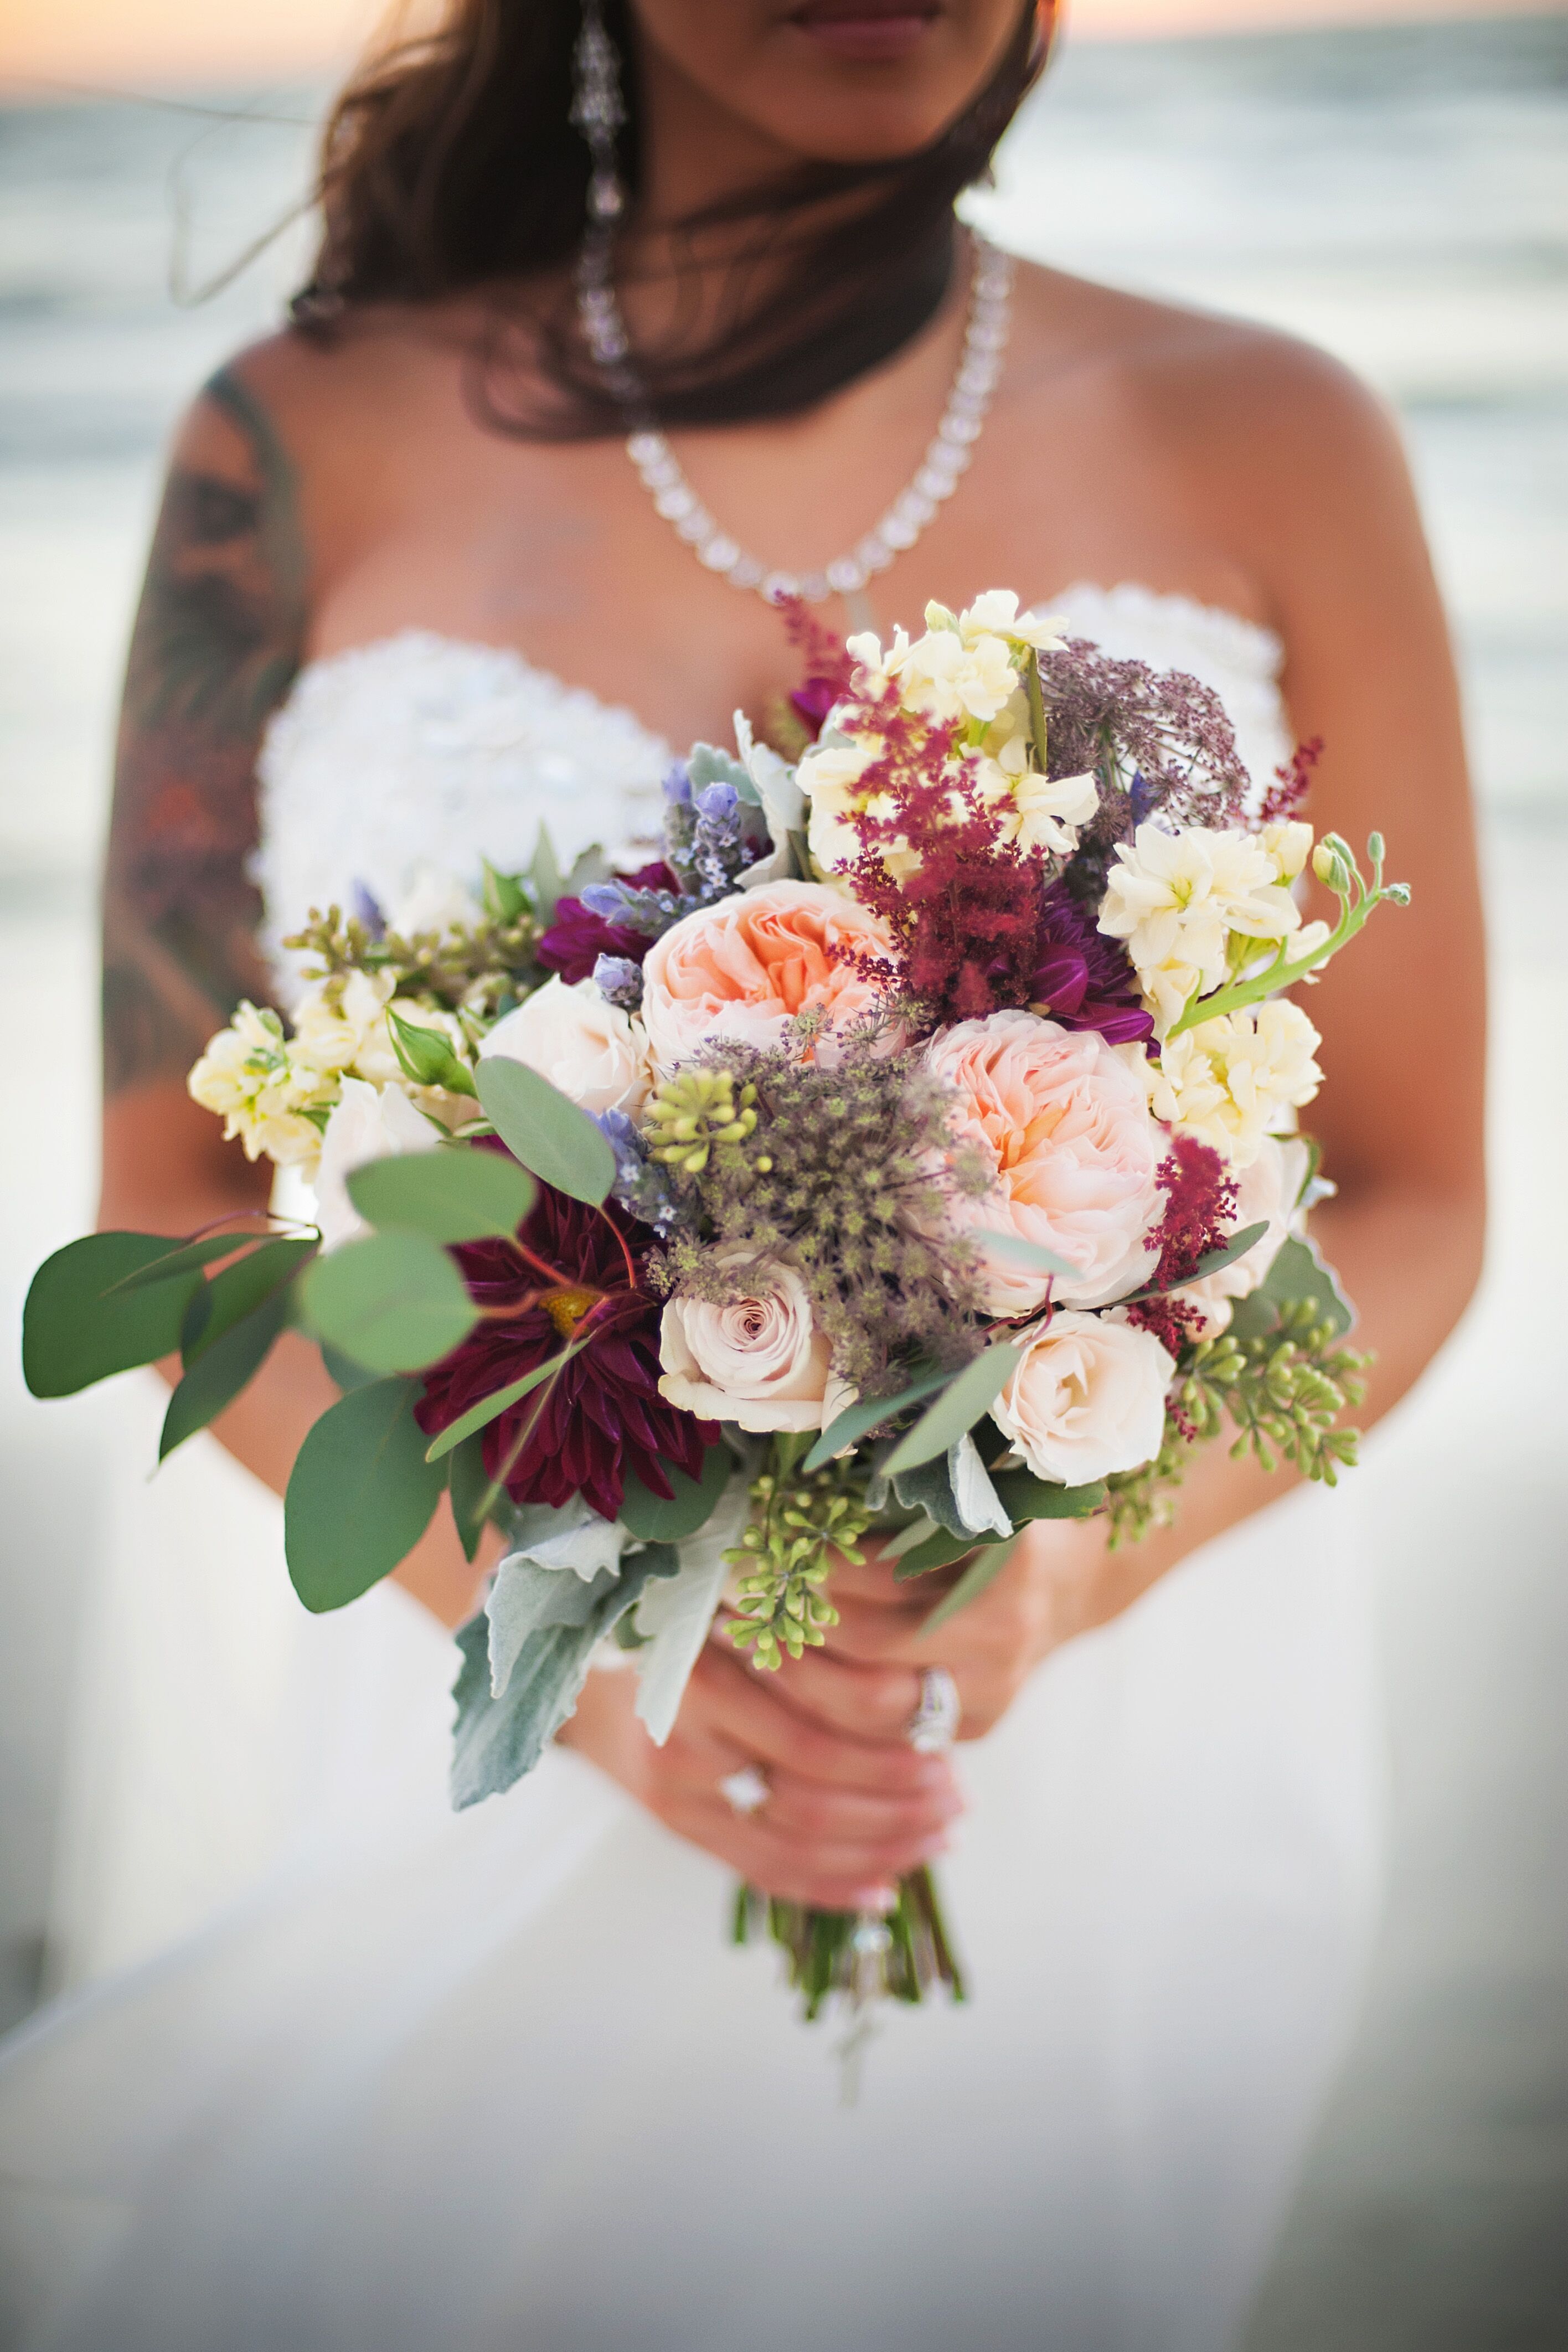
{"x": 1267, "y": 1192}
{"x": 1176, "y": 898}
{"x": 758, "y": 1360}
{"x": 996, "y": 613}
{"x": 1231, "y": 1079}
{"x": 1087, "y": 1400}
{"x": 595, "y": 1054}
{"x": 339, "y": 1025}
{"x": 1045, "y": 814}
{"x": 366, "y": 1125}
{"x": 250, "y": 1075}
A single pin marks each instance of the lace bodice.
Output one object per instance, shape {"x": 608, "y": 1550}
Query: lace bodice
{"x": 423, "y": 755}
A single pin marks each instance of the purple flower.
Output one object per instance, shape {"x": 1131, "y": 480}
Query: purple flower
{"x": 583, "y": 930}
{"x": 1081, "y": 978}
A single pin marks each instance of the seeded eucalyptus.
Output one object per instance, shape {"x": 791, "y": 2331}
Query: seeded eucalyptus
{"x": 799, "y": 1527}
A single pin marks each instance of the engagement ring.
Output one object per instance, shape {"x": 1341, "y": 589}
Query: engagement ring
{"x": 747, "y": 1791}
{"x": 933, "y": 1727}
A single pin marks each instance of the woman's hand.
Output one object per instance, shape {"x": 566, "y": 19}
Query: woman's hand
{"x": 850, "y": 1805}
{"x": 868, "y": 1675}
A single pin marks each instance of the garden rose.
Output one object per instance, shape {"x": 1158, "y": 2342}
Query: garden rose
{"x": 1062, "y": 1118}
{"x": 1267, "y": 1192}
{"x": 366, "y": 1125}
{"x": 757, "y": 1358}
{"x": 745, "y": 967}
{"x": 1088, "y": 1400}
{"x": 595, "y": 1054}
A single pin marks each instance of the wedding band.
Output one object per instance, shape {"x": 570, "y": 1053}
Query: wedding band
{"x": 747, "y": 1791}
{"x": 933, "y": 1727}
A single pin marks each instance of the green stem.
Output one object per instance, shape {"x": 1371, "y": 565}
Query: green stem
{"x": 1036, "y": 707}
{"x": 1356, "y": 904}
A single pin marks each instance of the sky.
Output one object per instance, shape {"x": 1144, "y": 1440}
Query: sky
{"x": 154, "y": 43}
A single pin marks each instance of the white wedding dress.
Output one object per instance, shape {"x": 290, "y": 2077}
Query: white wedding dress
{"x": 344, "y": 2071}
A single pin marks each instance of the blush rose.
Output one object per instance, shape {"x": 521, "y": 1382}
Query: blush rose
{"x": 757, "y": 1358}
{"x": 587, "y": 1047}
{"x": 1088, "y": 1400}
{"x": 746, "y": 967}
{"x": 1062, "y": 1122}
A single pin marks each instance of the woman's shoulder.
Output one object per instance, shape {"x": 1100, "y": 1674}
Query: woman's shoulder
{"x": 1231, "y": 390}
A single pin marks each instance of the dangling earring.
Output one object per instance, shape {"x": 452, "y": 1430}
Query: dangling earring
{"x": 599, "y": 112}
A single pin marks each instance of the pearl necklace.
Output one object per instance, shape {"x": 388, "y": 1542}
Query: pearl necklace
{"x": 946, "y": 456}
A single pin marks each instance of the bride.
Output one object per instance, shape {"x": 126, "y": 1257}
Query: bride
{"x": 492, "y": 2080}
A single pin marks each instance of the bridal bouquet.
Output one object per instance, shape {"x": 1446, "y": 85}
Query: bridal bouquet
{"x": 905, "y": 1154}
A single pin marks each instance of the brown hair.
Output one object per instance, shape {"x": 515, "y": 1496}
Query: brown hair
{"x": 449, "y": 166}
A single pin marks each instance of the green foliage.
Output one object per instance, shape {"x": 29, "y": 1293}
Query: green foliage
{"x": 651, "y": 1519}
{"x": 222, "y": 1366}
{"x": 452, "y": 1194}
{"x": 395, "y": 1302}
{"x": 361, "y": 1495}
{"x": 1281, "y": 1388}
{"x": 1334, "y": 862}
{"x": 1026, "y": 1497}
{"x": 180, "y": 1257}
{"x": 468, "y": 1486}
{"x": 427, "y": 1056}
{"x": 966, "y": 1397}
{"x": 227, "y": 1298}
{"x": 483, "y": 969}
{"x": 1298, "y": 1273}
{"x": 857, "y": 1421}
{"x": 799, "y": 1522}
{"x": 982, "y": 1572}
{"x": 79, "y": 1325}
{"x": 498, "y": 1737}
{"x": 549, "y": 1134}
{"x": 853, "y": 1954}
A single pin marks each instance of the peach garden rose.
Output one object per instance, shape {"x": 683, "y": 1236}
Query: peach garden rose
{"x": 1062, "y": 1120}
{"x": 746, "y": 967}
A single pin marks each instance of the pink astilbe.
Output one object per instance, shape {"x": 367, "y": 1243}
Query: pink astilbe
{"x": 967, "y": 921}
{"x": 1200, "y": 1209}
{"x": 829, "y": 674}
{"x": 1292, "y": 782}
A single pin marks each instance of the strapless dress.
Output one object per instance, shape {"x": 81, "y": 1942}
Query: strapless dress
{"x": 340, "y": 2071}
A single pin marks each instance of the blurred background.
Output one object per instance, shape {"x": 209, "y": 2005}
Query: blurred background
{"x": 1392, "y": 183}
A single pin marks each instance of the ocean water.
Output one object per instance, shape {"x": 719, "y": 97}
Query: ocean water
{"x": 1400, "y": 197}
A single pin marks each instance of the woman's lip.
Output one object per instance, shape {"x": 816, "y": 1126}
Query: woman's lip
{"x": 861, "y": 32}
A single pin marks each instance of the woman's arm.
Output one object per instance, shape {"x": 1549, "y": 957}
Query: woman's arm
{"x": 217, "y": 639}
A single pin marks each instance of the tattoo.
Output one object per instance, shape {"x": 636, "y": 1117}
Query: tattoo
{"x": 216, "y": 641}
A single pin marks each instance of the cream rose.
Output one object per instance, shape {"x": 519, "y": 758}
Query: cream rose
{"x": 1062, "y": 1119}
{"x": 758, "y": 1360}
{"x": 1267, "y": 1192}
{"x": 746, "y": 967}
{"x": 1088, "y": 1398}
{"x": 589, "y": 1049}
{"x": 366, "y": 1125}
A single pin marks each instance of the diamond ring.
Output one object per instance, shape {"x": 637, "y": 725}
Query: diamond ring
{"x": 933, "y": 1727}
{"x": 747, "y": 1791}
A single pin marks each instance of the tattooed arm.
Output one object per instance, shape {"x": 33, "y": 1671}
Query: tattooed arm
{"x": 219, "y": 635}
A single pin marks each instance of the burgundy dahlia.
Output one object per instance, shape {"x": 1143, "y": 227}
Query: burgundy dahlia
{"x": 603, "y": 1420}
{"x": 577, "y": 938}
{"x": 1082, "y": 978}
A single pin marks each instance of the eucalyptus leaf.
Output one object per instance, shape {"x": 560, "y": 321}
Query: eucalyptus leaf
{"x": 361, "y": 1495}
{"x": 343, "y": 1369}
{"x": 857, "y": 1421}
{"x": 548, "y": 1133}
{"x": 651, "y": 1519}
{"x": 451, "y": 1194}
{"x": 968, "y": 1394}
{"x": 183, "y": 1257}
{"x": 224, "y": 1366}
{"x": 467, "y": 1483}
{"x": 1297, "y": 1273}
{"x": 496, "y": 1740}
{"x": 79, "y": 1326}
{"x": 983, "y": 1570}
{"x": 1022, "y": 1253}
{"x": 1025, "y": 1498}
{"x": 479, "y": 1416}
{"x": 941, "y": 1550}
{"x": 1237, "y": 1246}
{"x": 236, "y": 1293}
{"x": 395, "y": 1302}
